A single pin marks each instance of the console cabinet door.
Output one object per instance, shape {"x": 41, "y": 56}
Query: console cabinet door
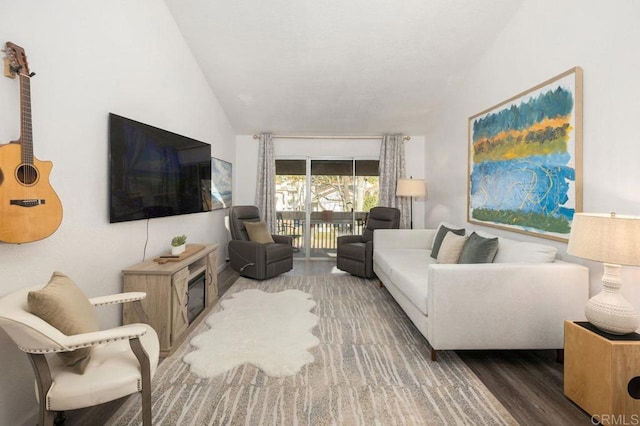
{"x": 179, "y": 303}
{"x": 156, "y": 305}
{"x": 212, "y": 278}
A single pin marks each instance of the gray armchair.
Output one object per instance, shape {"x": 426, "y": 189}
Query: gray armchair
{"x": 355, "y": 252}
{"x": 252, "y": 259}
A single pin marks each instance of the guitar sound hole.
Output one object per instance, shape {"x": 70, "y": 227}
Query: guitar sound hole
{"x": 27, "y": 174}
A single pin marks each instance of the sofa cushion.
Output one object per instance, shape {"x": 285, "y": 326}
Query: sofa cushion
{"x": 478, "y": 249}
{"x": 63, "y": 305}
{"x": 442, "y": 231}
{"x": 412, "y": 282}
{"x": 390, "y": 259}
{"x": 407, "y": 269}
{"x": 258, "y": 232}
{"x": 451, "y": 248}
{"x": 510, "y": 251}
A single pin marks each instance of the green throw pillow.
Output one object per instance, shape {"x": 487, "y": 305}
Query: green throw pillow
{"x": 437, "y": 241}
{"x": 478, "y": 249}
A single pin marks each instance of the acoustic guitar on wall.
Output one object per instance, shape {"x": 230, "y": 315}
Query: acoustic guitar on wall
{"x": 30, "y": 210}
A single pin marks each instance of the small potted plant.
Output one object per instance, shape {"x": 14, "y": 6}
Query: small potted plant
{"x": 178, "y": 244}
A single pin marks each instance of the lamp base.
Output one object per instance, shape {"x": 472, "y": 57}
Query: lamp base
{"x": 609, "y": 310}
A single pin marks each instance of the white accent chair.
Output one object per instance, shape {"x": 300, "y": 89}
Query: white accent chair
{"x": 123, "y": 360}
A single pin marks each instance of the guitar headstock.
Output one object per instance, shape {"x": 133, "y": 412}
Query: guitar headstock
{"x": 15, "y": 61}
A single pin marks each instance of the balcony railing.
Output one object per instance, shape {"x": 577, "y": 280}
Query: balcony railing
{"x": 325, "y": 227}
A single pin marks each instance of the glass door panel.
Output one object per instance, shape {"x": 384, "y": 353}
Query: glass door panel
{"x": 291, "y": 190}
{"x": 366, "y": 191}
{"x": 331, "y": 204}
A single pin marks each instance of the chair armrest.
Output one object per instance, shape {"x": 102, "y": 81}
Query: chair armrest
{"x": 247, "y": 248}
{"x": 348, "y": 239}
{"x": 118, "y": 298}
{"x": 243, "y": 254}
{"x": 282, "y": 239}
{"x": 124, "y": 332}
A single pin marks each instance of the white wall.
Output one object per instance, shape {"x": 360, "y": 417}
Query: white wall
{"x": 92, "y": 58}
{"x": 545, "y": 38}
{"x": 247, "y": 160}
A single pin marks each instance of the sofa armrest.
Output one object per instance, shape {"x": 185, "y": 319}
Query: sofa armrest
{"x": 516, "y": 306}
{"x": 403, "y": 238}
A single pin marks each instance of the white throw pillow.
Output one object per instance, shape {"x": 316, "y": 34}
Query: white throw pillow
{"x": 451, "y": 248}
{"x": 443, "y": 229}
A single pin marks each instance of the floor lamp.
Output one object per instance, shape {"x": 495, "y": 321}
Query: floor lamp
{"x": 411, "y": 188}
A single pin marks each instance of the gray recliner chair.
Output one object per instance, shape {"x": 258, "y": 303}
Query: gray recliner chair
{"x": 355, "y": 252}
{"x": 252, "y": 259}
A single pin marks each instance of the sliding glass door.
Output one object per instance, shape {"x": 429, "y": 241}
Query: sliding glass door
{"x": 291, "y": 202}
{"x": 319, "y": 199}
{"x": 331, "y": 204}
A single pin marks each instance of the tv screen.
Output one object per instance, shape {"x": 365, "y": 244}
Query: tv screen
{"x": 155, "y": 173}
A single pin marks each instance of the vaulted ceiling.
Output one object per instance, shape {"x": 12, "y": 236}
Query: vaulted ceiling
{"x": 337, "y": 67}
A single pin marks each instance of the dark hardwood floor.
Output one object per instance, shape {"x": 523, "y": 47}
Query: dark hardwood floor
{"x": 528, "y": 383}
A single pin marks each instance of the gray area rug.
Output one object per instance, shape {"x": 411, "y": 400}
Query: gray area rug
{"x": 372, "y": 367}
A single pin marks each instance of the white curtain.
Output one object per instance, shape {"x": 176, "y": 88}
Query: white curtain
{"x": 392, "y": 168}
{"x": 266, "y": 181}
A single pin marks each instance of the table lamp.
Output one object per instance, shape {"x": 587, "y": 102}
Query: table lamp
{"x": 615, "y": 241}
{"x": 411, "y": 188}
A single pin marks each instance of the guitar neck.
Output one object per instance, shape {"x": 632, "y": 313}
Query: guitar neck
{"x": 26, "y": 133}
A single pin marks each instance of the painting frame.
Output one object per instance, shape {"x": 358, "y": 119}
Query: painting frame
{"x": 221, "y": 184}
{"x": 524, "y": 160}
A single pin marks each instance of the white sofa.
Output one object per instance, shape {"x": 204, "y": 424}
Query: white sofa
{"x": 508, "y": 304}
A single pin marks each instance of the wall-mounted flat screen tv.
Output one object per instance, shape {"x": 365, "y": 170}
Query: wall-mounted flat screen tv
{"x": 155, "y": 173}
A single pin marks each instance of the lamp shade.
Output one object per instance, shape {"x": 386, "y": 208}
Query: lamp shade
{"x": 607, "y": 238}
{"x": 411, "y": 188}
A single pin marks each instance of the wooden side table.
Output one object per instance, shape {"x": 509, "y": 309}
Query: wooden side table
{"x": 602, "y": 373}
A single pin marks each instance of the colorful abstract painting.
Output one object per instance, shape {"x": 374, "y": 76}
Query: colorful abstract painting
{"x": 525, "y": 160}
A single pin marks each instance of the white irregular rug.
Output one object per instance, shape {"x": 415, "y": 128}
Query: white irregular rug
{"x": 271, "y": 331}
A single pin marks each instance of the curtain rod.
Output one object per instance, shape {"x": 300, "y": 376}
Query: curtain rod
{"x": 406, "y": 138}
